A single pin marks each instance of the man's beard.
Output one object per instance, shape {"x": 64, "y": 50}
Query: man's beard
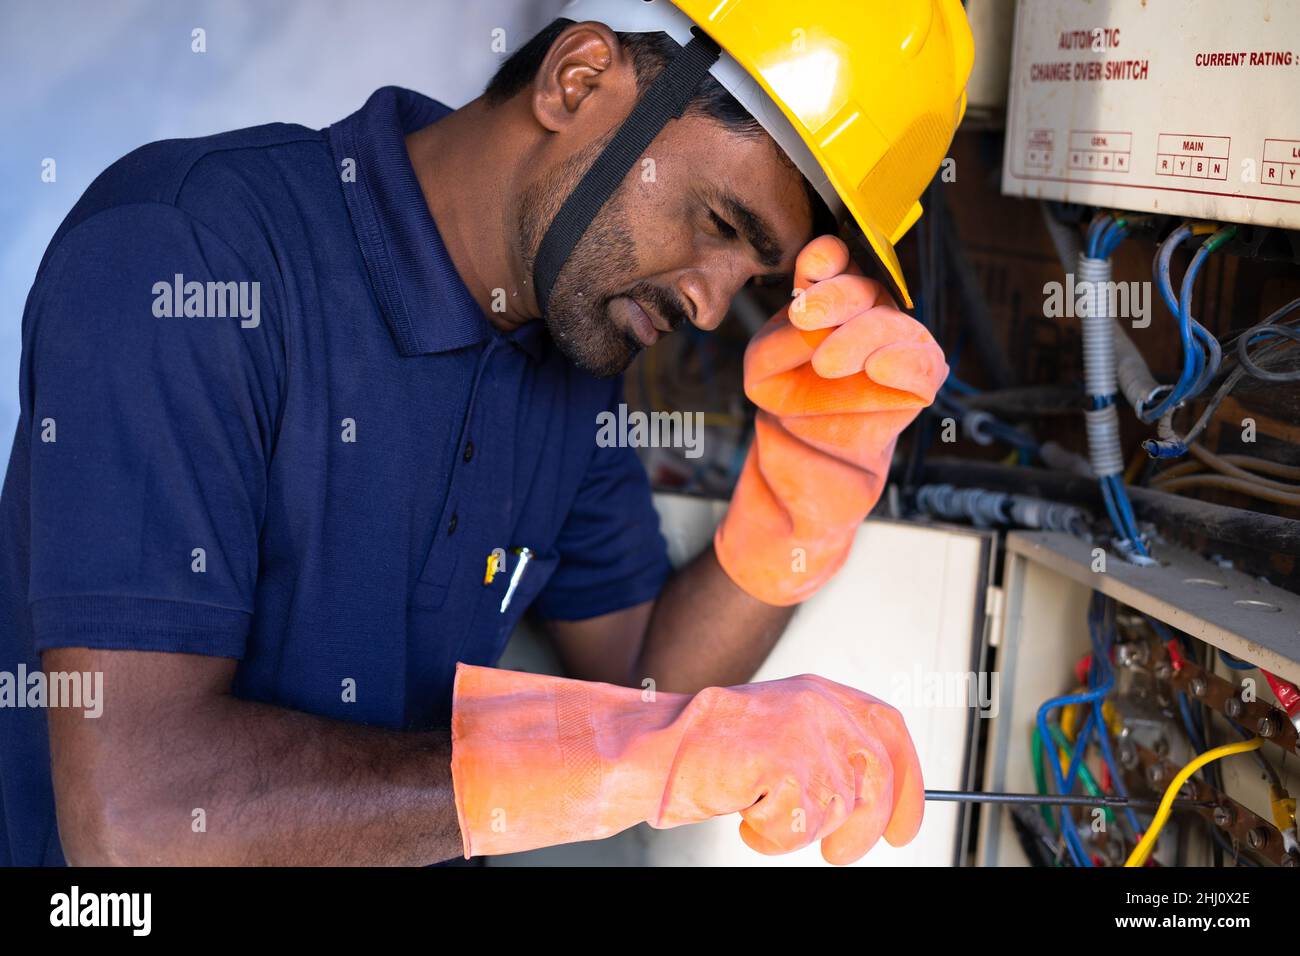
{"x": 596, "y": 272}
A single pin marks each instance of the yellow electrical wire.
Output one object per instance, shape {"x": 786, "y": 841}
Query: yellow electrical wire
{"x": 1143, "y": 850}
{"x": 1283, "y": 806}
{"x": 1112, "y": 718}
{"x": 1224, "y": 467}
{"x": 1251, "y": 488}
{"x": 1070, "y": 720}
{"x": 1134, "y": 468}
{"x": 1177, "y": 471}
{"x": 1264, "y": 466}
{"x": 1229, "y": 472}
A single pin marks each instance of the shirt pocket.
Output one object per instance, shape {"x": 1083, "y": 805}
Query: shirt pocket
{"x": 499, "y": 623}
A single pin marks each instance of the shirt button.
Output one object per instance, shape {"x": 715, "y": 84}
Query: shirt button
{"x": 469, "y": 451}
{"x": 451, "y": 525}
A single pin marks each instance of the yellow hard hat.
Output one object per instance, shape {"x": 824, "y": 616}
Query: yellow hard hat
{"x": 863, "y": 95}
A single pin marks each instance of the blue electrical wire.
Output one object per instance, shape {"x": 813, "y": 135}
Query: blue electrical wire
{"x": 1100, "y": 621}
{"x": 1194, "y": 713}
{"x": 1214, "y": 352}
{"x": 1068, "y": 826}
{"x": 1235, "y": 663}
{"x": 958, "y": 386}
{"x": 1112, "y": 509}
{"x": 1011, "y": 435}
{"x": 1163, "y": 260}
{"x": 1111, "y": 239}
{"x": 993, "y": 427}
{"x": 1116, "y": 778}
{"x": 1101, "y": 681}
{"x": 1121, "y": 521}
{"x": 1120, "y": 510}
{"x": 1194, "y": 727}
{"x": 1095, "y": 230}
{"x": 1189, "y": 648}
{"x": 1126, "y": 510}
{"x": 1162, "y": 632}
{"x": 1105, "y": 233}
{"x": 1108, "y": 498}
{"x": 1202, "y": 353}
{"x": 1080, "y": 748}
{"x": 1191, "y": 355}
{"x": 1126, "y": 513}
{"x": 1192, "y": 362}
{"x": 1189, "y": 725}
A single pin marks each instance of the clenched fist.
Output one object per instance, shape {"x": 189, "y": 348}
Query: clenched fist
{"x": 540, "y": 760}
{"x": 836, "y": 375}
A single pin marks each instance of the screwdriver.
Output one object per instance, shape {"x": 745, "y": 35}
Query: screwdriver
{"x": 1060, "y": 800}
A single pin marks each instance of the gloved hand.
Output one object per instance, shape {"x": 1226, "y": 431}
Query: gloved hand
{"x": 836, "y": 375}
{"x": 541, "y": 760}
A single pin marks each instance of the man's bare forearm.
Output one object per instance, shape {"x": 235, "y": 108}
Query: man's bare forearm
{"x": 209, "y": 779}
{"x": 706, "y": 632}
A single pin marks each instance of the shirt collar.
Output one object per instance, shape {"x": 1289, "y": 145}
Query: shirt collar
{"x": 423, "y": 298}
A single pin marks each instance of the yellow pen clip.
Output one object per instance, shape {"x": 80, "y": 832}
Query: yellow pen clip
{"x": 493, "y": 565}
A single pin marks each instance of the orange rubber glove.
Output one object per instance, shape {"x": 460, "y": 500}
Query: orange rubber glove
{"x": 837, "y": 374}
{"x": 541, "y": 760}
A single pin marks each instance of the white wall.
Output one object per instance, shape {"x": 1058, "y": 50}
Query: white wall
{"x": 85, "y": 81}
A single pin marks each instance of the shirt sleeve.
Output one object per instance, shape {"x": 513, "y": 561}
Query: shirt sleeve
{"x": 612, "y": 555}
{"x": 150, "y": 383}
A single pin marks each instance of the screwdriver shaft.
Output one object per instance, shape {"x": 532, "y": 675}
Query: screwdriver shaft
{"x": 1060, "y": 800}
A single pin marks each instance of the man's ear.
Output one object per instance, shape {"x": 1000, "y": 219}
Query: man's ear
{"x": 585, "y": 58}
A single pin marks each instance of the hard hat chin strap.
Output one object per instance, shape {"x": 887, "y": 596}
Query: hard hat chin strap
{"x": 665, "y": 100}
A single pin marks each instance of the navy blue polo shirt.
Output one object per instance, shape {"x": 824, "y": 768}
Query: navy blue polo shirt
{"x": 262, "y": 418}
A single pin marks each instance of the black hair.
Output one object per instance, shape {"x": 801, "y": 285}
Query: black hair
{"x": 650, "y": 53}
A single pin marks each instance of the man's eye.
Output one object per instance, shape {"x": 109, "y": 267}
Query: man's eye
{"x": 726, "y": 229}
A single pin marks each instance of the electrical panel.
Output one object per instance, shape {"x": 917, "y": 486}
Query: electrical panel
{"x": 1188, "y": 108}
{"x": 1200, "y": 656}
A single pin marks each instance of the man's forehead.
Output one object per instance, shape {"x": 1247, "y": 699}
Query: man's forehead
{"x": 778, "y": 221}
{"x": 752, "y": 182}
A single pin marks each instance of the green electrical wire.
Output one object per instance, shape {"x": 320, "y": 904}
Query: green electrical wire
{"x": 1085, "y": 775}
{"x": 1219, "y": 238}
{"x": 1040, "y": 778}
{"x": 1040, "y": 783}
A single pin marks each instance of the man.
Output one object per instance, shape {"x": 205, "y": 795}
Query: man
{"x": 308, "y": 421}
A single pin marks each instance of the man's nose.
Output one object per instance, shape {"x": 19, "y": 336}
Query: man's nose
{"x": 710, "y": 292}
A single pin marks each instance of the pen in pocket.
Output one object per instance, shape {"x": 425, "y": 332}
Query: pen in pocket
{"x": 521, "y": 565}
